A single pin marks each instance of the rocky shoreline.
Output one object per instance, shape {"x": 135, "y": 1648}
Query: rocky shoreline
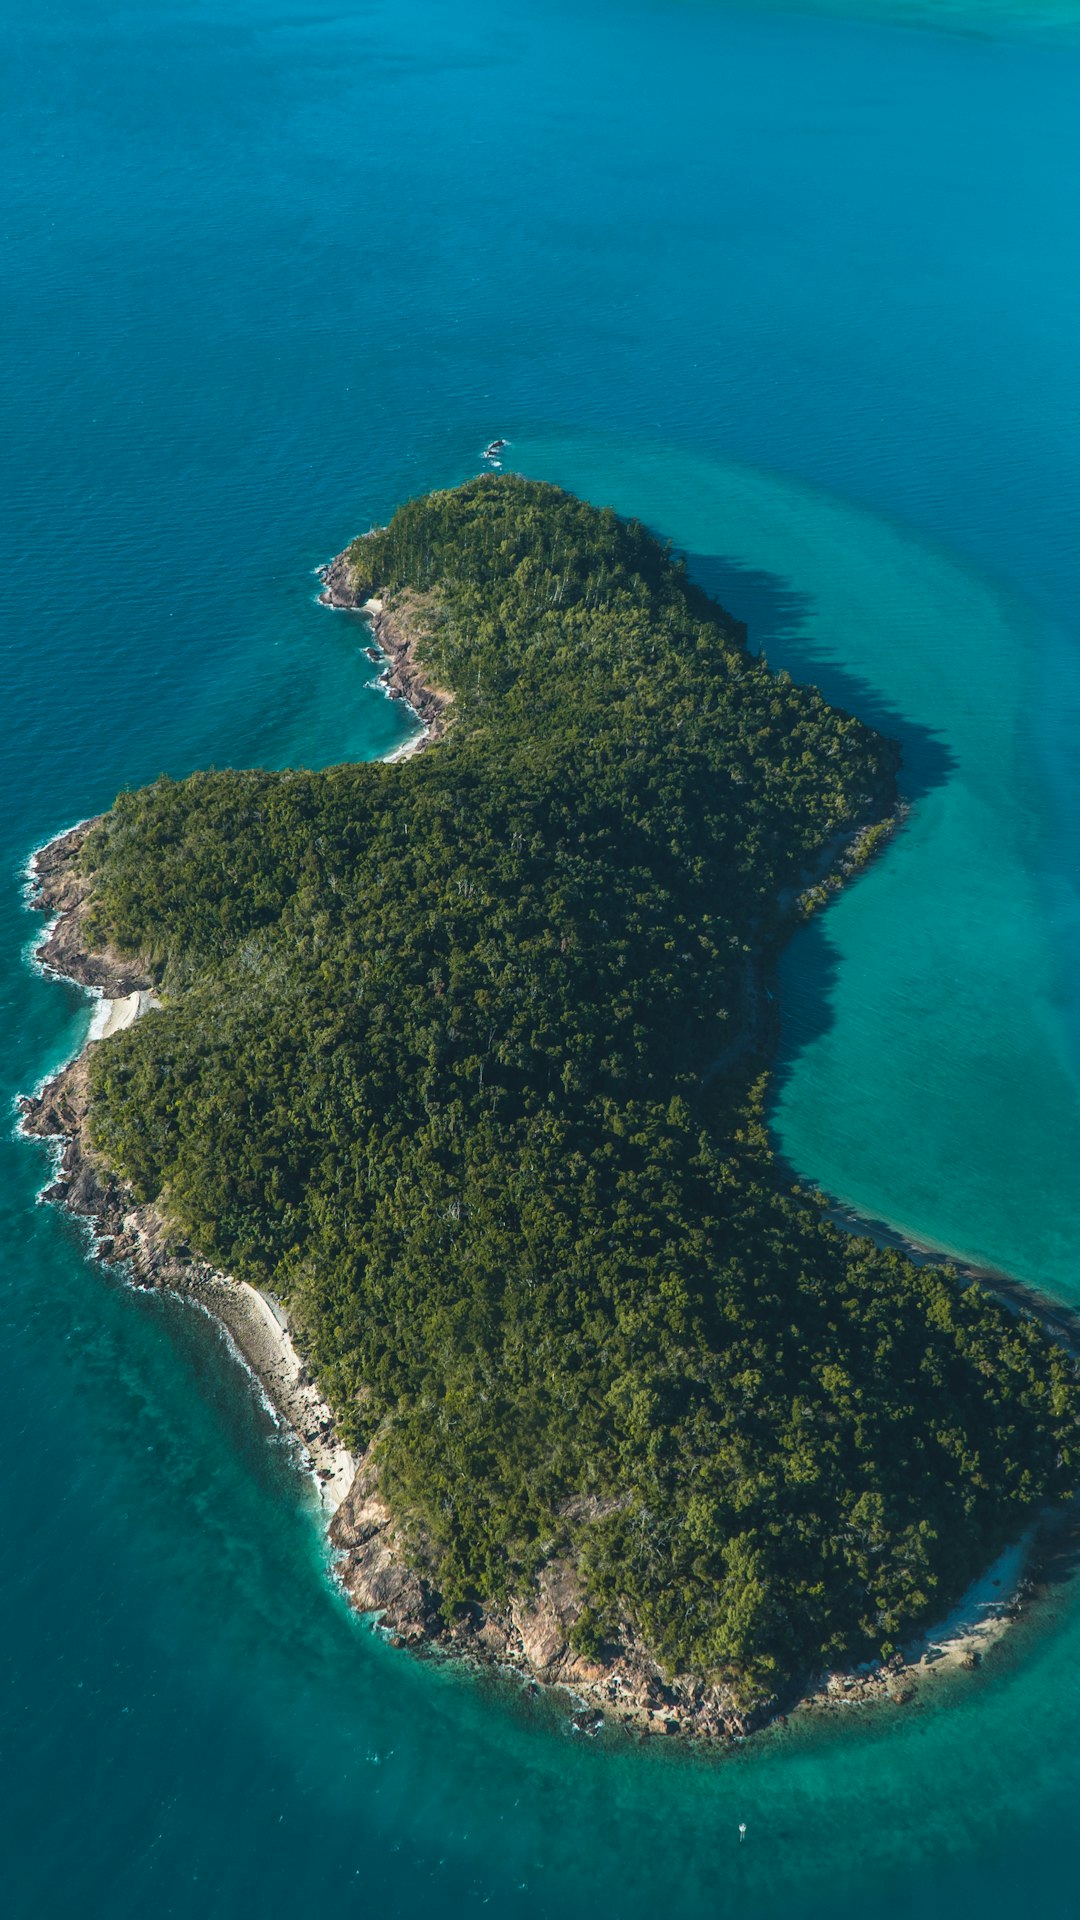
{"x": 530, "y": 1640}
{"x": 396, "y": 629}
{"x": 136, "y": 1237}
{"x": 376, "y": 1566}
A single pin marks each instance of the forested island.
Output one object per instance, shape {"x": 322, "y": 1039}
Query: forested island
{"x": 464, "y": 1059}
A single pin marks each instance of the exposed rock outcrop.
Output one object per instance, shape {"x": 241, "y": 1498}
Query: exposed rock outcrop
{"x": 61, "y": 888}
{"x": 397, "y": 625}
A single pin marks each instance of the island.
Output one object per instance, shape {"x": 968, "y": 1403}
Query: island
{"x": 461, "y": 1064}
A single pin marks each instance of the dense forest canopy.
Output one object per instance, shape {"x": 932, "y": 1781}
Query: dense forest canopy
{"x": 462, "y": 1057}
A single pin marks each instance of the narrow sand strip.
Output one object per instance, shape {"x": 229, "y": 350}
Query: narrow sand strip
{"x": 407, "y": 748}
{"x": 259, "y": 1326}
{"x": 112, "y": 1016}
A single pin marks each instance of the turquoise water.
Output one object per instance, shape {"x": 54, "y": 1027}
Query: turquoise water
{"x": 798, "y": 287}
{"x": 1047, "y": 21}
{"x": 928, "y": 1072}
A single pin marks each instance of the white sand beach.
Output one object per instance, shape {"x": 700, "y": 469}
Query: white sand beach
{"x": 259, "y": 1329}
{"x": 112, "y": 1016}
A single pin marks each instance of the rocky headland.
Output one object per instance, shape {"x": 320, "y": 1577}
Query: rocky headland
{"x": 397, "y": 627}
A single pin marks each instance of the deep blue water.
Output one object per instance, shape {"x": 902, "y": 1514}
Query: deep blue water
{"x": 802, "y": 289}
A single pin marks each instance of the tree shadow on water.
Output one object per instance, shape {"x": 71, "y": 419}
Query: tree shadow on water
{"x": 805, "y": 988}
{"x": 778, "y": 617}
{"x": 779, "y": 622}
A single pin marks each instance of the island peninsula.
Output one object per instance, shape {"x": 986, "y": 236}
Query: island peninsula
{"x": 463, "y": 1059}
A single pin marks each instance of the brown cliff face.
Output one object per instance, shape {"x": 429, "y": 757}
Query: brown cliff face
{"x": 397, "y": 624}
{"x": 381, "y": 1573}
{"x": 62, "y": 889}
{"x": 398, "y": 632}
{"x": 339, "y": 582}
{"x": 371, "y": 1566}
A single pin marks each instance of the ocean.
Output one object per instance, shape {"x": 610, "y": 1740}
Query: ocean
{"x": 800, "y": 288}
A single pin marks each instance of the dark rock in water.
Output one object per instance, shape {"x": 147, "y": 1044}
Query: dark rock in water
{"x": 396, "y": 634}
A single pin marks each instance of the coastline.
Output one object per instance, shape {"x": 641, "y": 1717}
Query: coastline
{"x": 395, "y": 629}
{"x": 1020, "y": 1296}
{"x": 134, "y": 1236}
{"x": 376, "y": 1564}
{"x": 530, "y": 1642}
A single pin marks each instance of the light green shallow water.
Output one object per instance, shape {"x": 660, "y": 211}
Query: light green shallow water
{"x": 925, "y": 1073}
